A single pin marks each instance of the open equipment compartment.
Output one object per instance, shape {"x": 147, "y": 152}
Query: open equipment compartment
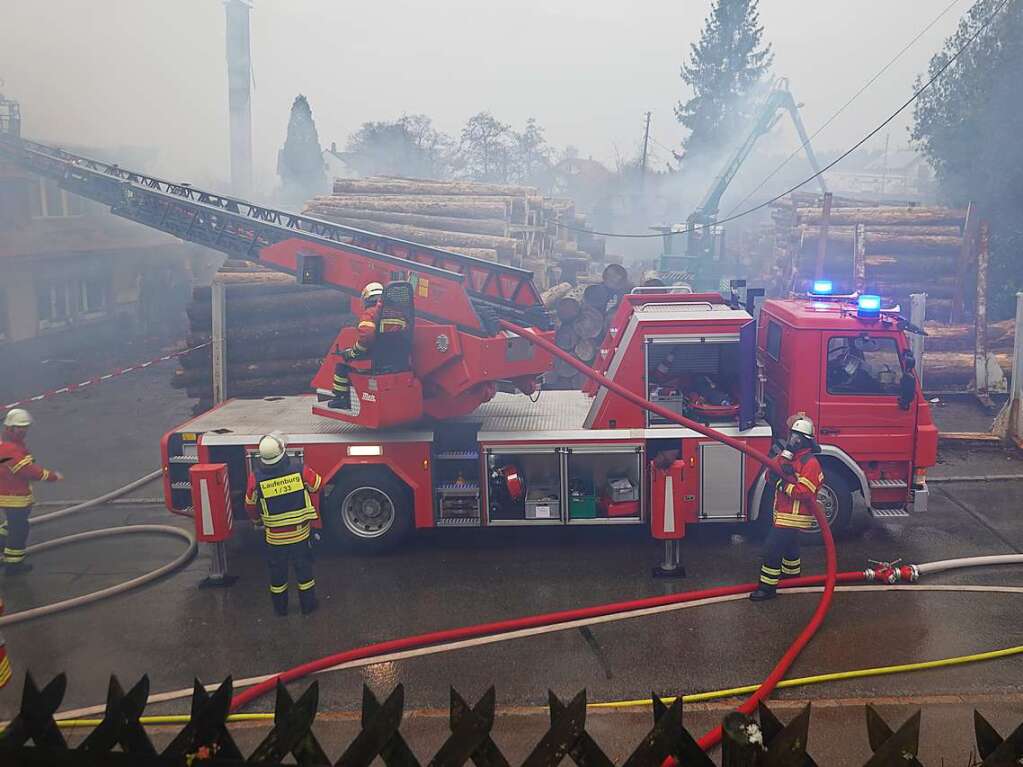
{"x": 456, "y": 468}
{"x": 604, "y": 484}
{"x": 524, "y": 485}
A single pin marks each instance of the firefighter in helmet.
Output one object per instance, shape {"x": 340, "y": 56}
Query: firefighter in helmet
{"x": 278, "y": 496}
{"x": 18, "y": 470}
{"x": 795, "y": 495}
{"x": 376, "y": 319}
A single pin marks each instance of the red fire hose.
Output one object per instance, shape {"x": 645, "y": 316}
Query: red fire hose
{"x": 713, "y": 737}
{"x": 534, "y": 621}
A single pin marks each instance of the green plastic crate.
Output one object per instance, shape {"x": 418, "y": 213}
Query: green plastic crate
{"x": 582, "y": 507}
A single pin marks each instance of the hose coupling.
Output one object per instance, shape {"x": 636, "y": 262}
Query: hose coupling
{"x": 891, "y": 572}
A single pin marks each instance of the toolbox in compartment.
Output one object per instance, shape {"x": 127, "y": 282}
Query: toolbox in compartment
{"x": 543, "y": 503}
{"x": 582, "y": 506}
{"x": 621, "y": 489}
{"x": 613, "y": 509}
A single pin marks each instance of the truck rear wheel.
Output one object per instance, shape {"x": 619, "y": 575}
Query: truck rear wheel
{"x": 368, "y": 510}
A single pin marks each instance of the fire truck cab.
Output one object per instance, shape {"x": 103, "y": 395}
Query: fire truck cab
{"x": 590, "y": 457}
{"x": 846, "y": 364}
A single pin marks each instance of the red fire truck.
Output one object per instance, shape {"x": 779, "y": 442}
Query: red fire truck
{"x": 463, "y": 435}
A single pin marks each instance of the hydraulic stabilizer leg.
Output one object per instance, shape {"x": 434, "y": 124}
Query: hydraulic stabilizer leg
{"x": 671, "y": 565}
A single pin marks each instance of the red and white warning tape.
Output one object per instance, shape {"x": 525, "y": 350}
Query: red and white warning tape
{"x": 100, "y": 379}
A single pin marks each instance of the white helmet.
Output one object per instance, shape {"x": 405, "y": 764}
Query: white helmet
{"x": 803, "y": 425}
{"x": 372, "y": 290}
{"x": 271, "y": 447}
{"x": 18, "y": 417}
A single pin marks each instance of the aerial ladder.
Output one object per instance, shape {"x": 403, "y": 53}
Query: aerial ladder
{"x": 698, "y": 257}
{"x": 458, "y": 353}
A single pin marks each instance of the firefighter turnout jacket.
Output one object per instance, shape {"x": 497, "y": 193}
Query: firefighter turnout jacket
{"x": 18, "y": 470}
{"x": 795, "y": 495}
{"x": 278, "y": 496}
{"x": 373, "y": 320}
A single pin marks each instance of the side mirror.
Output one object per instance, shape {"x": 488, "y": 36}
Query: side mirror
{"x": 907, "y": 391}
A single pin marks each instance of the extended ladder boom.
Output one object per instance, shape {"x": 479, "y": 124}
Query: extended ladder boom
{"x": 450, "y": 288}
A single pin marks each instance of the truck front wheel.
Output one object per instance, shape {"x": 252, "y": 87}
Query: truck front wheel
{"x": 368, "y": 511}
{"x": 836, "y": 501}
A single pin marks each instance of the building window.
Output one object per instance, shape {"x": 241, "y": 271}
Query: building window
{"x": 50, "y": 201}
{"x": 92, "y": 296}
{"x": 54, "y": 304}
{"x": 774, "y": 340}
{"x": 61, "y": 302}
{"x": 863, "y": 365}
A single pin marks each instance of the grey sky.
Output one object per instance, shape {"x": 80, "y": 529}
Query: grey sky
{"x": 152, "y": 72}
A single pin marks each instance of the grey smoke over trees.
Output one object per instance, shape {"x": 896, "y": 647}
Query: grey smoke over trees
{"x": 485, "y": 150}
{"x": 967, "y": 125}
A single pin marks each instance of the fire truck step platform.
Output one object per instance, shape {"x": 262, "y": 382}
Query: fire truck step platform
{"x": 888, "y": 513}
{"x": 888, "y": 484}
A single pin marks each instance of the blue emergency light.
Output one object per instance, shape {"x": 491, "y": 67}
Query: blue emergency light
{"x": 822, "y": 288}
{"x": 868, "y": 306}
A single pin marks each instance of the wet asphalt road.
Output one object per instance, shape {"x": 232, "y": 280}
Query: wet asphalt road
{"x": 174, "y": 631}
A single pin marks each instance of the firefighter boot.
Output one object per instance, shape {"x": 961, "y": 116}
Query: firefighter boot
{"x": 342, "y": 389}
{"x": 307, "y": 600}
{"x": 17, "y": 568}
{"x": 763, "y": 593}
{"x": 280, "y": 603}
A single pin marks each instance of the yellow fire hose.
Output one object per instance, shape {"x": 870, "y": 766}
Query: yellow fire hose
{"x": 698, "y": 697}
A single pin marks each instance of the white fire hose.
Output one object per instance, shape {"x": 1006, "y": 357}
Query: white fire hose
{"x": 119, "y": 588}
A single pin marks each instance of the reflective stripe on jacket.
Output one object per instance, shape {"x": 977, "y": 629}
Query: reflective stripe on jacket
{"x": 794, "y": 496}
{"x": 280, "y": 494}
{"x": 18, "y": 470}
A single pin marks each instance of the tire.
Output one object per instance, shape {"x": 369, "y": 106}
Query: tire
{"x": 836, "y": 500}
{"x": 368, "y": 511}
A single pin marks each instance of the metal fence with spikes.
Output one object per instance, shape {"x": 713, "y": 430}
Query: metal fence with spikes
{"x": 33, "y": 738}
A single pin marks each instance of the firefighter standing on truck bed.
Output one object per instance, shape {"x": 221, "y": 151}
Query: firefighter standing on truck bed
{"x": 372, "y": 321}
{"x": 18, "y": 470}
{"x": 795, "y": 495}
{"x": 277, "y": 495}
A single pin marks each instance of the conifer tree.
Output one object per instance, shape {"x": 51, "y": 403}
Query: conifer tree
{"x": 723, "y": 71}
{"x": 300, "y": 161}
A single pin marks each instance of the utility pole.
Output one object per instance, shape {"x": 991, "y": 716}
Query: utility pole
{"x": 239, "y": 94}
{"x": 646, "y": 142}
{"x": 884, "y": 167}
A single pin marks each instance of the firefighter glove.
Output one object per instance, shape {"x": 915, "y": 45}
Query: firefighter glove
{"x": 349, "y": 354}
{"x": 787, "y": 470}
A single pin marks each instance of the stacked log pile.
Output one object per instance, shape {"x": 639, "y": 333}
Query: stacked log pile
{"x": 582, "y": 314}
{"x": 894, "y": 250}
{"x": 277, "y": 334}
{"x": 515, "y": 225}
{"x": 904, "y": 249}
{"x": 949, "y": 349}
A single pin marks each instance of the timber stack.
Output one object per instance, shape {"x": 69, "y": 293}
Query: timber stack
{"x": 515, "y": 225}
{"x": 889, "y": 249}
{"x": 582, "y": 314}
{"x": 277, "y": 334}
{"x": 893, "y": 250}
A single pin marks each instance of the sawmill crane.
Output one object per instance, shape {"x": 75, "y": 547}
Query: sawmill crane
{"x": 702, "y": 252}
{"x": 459, "y": 354}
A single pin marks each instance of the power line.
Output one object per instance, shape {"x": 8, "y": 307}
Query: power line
{"x": 841, "y": 109}
{"x": 916, "y": 94}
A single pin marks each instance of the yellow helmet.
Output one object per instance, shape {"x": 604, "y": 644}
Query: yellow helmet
{"x": 372, "y": 290}
{"x": 804, "y": 426}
